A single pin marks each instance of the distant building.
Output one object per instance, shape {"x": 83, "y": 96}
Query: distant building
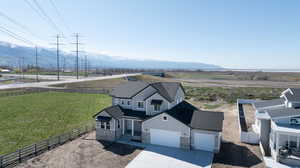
{"x": 159, "y": 74}
{"x": 5, "y": 70}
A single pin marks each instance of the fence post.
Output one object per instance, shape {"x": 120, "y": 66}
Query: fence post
{"x": 48, "y": 144}
{"x": 58, "y": 139}
{"x": 35, "y": 152}
{"x": 1, "y": 161}
{"x": 20, "y": 157}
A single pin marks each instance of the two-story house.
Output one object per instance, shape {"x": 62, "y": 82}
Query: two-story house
{"x": 278, "y": 125}
{"x": 156, "y": 113}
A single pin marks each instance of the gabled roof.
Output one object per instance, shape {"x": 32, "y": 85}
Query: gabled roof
{"x": 292, "y": 94}
{"x": 118, "y": 112}
{"x": 284, "y": 112}
{"x": 114, "y": 111}
{"x": 268, "y": 103}
{"x": 167, "y": 89}
{"x": 197, "y": 119}
{"x": 128, "y": 90}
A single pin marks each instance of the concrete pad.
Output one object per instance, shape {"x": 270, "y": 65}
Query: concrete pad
{"x": 166, "y": 157}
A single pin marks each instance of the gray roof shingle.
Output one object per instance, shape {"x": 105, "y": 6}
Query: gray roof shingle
{"x": 129, "y": 89}
{"x": 166, "y": 89}
{"x": 268, "y": 103}
{"x": 284, "y": 112}
{"x": 114, "y": 111}
{"x": 197, "y": 119}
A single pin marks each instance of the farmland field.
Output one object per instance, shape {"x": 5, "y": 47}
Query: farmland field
{"x": 32, "y": 117}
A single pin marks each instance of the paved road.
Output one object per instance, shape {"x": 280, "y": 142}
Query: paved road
{"x": 66, "y": 80}
{"x": 165, "y": 157}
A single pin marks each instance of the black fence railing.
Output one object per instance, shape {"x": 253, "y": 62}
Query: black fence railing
{"x": 25, "y": 153}
{"x": 40, "y": 90}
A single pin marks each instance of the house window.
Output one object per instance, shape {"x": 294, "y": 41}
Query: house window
{"x": 118, "y": 124}
{"x": 165, "y": 118}
{"x": 102, "y": 125}
{"x": 295, "y": 120}
{"x": 140, "y": 104}
{"x": 122, "y": 101}
{"x": 116, "y": 101}
{"x": 107, "y": 125}
{"x": 128, "y": 102}
{"x": 156, "y": 107}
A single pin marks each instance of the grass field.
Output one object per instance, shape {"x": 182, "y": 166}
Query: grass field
{"x": 237, "y": 75}
{"x": 111, "y": 83}
{"x": 29, "y": 118}
{"x": 230, "y": 95}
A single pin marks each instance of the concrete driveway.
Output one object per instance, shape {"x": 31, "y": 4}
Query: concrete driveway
{"x": 165, "y": 157}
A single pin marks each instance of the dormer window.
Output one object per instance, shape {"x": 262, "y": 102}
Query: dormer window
{"x": 128, "y": 102}
{"x": 156, "y": 104}
{"x": 156, "y": 107}
{"x": 140, "y": 104}
{"x": 122, "y": 102}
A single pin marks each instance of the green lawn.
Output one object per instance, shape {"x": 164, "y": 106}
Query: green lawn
{"x": 29, "y": 118}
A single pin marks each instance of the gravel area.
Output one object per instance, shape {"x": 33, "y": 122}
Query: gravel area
{"x": 233, "y": 153}
{"x": 85, "y": 152}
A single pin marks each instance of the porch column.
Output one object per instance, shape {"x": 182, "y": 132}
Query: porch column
{"x": 298, "y": 142}
{"x": 123, "y": 124}
{"x": 289, "y": 141}
{"x": 132, "y": 127}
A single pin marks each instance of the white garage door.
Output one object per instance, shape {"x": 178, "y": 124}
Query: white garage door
{"x": 165, "y": 138}
{"x": 204, "y": 141}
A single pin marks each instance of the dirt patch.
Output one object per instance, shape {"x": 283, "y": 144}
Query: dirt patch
{"x": 233, "y": 153}
{"x": 249, "y": 115}
{"x": 85, "y": 152}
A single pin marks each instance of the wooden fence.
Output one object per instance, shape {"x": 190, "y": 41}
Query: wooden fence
{"x": 40, "y": 90}
{"x": 23, "y": 154}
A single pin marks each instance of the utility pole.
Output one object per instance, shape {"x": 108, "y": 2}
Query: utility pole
{"x": 85, "y": 64}
{"x": 36, "y": 65}
{"x": 22, "y": 64}
{"x": 57, "y": 43}
{"x": 57, "y": 55}
{"x": 77, "y": 53}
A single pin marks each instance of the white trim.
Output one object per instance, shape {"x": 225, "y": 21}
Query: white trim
{"x": 123, "y": 124}
{"x": 132, "y": 127}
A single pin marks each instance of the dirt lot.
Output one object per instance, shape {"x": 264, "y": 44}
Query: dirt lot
{"x": 234, "y": 154}
{"x": 85, "y": 152}
{"x": 249, "y": 115}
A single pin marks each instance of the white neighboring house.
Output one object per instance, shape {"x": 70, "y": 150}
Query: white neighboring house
{"x": 156, "y": 113}
{"x": 278, "y": 125}
{"x": 5, "y": 70}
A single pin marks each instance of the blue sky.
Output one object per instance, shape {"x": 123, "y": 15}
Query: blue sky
{"x": 229, "y": 33}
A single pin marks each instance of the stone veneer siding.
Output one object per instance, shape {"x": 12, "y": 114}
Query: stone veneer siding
{"x": 185, "y": 143}
{"x": 106, "y": 135}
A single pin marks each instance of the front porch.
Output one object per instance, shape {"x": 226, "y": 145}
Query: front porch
{"x": 132, "y": 129}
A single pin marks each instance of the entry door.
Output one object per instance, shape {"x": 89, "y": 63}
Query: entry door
{"x": 165, "y": 138}
{"x": 204, "y": 142}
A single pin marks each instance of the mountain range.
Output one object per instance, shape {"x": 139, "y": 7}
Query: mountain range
{"x": 14, "y": 55}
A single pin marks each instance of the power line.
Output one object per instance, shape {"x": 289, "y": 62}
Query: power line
{"x": 59, "y": 15}
{"x": 41, "y": 12}
{"x": 18, "y": 24}
{"x": 15, "y": 36}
